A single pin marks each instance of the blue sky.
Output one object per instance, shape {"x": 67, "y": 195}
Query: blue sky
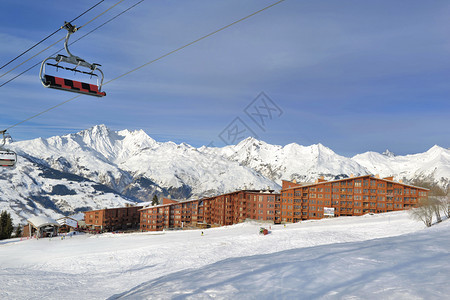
{"x": 355, "y": 76}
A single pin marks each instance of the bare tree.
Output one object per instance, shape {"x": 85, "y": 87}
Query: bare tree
{"x": 436, "y": 206}
{"x": 437, "y": 194}
{"x": 423, "y": 211}
{"x": 445, "y": 200}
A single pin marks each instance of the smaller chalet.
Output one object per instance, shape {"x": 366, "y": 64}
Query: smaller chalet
{"x": 41, "y": 226}
{"x": 67, "y": 224}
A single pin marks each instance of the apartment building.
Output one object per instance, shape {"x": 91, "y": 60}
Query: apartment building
{"x": 226, "y": 209}
{"x": 110, "y": 219}
{"x": 353, "y": 196}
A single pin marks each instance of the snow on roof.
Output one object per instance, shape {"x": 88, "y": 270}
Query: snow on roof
{"x": 67, "y": 221}
{"x": 78, "y": 216}
{"x": 40, "y": 221}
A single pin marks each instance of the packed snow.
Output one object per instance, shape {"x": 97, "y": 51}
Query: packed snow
{"x": 385, "y": 256}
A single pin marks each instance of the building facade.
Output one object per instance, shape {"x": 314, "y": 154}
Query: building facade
{"x": 353, "y": 196}
{"x": 110, "y": 219}
{"x": 226, "y": 209}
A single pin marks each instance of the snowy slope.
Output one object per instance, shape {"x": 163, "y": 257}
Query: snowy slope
{"x": 356, "y": 270}
{"x": 32, "y": 189}
{"x": 370, "y": 257}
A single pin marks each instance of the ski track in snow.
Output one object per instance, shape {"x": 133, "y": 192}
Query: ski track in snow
{"x": 346, "y": 257}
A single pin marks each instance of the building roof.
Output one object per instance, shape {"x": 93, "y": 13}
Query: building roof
{"x": 113, "y": 208}
{"x": 67, "y": 221}
{"x": 78, "y": 216}
{"x": 351, "y": 178}
{"x": 268, "y": 192}
{"x": 40, "y": 221}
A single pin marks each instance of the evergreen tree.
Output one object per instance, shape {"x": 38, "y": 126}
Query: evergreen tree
{"x": 18, "y": 231}
{"x": 155, "y": 200}
{"x": 6, "y": 225}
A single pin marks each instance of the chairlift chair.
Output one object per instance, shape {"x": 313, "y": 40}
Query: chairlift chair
{"x": 81, "y": 67}
{"x": 8, "y": 158}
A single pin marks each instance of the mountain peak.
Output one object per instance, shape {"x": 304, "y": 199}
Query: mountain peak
{"x": 436, "y": 148}
{"x": 249, "y": 140}
{"x": 321, "y": 149}
{"x": 95, "y": 131}
{"x": 249, "y": 143}
{"x": 437, "y": 151}
{"x": 388, "y": 153}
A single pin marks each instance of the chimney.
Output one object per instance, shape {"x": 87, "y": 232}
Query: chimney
{"x": 321, "y": 179}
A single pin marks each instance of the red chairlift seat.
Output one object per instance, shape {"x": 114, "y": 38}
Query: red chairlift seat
{"x": 72, "y": 86}
{"x": 81, "y": 66}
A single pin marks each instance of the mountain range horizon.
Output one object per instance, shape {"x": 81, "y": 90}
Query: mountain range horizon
{"x": 98, "y": 167}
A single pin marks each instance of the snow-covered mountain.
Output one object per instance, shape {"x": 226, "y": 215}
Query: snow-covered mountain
{"x": 293, "y": 161}
{"x": 98, "y": 168}
{"x": 432, "y": 165}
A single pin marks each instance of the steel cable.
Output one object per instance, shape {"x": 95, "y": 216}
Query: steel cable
{"x": 154, "y": 60}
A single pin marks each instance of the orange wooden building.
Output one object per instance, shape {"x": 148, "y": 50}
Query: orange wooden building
{"x": 353, "y": 196}
{"x": 110, "y": 219}
{"x": 226, "y": 209}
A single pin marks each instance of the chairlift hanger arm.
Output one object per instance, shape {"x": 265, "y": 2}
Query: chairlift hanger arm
{"x": 70, "y": 29}
{"x": 69, "y": 85}
{"x": 3, "y": 132}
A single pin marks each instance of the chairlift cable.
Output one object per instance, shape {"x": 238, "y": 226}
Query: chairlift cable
{"x": 60, "y": 39}
{"x": 83, "y": 36}
{"x": 47, "y": 37}
{"x": 44, "y": 111}
{"x": 32, "y": 57}
{"x": 154, "y": 60}
{"x": 101, "y": 14}
{"x": 193, "y": 42}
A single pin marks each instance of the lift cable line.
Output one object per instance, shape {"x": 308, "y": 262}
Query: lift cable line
{"x": 61, "y": 39}
{"x": 195, "y": 41}
{"x": 83, "y": 36}
{"x": 47, "y": 37}
{"x": 154, "y": 60}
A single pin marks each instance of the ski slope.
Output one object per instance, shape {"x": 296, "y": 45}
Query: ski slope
{"x": 369, "y": 257}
